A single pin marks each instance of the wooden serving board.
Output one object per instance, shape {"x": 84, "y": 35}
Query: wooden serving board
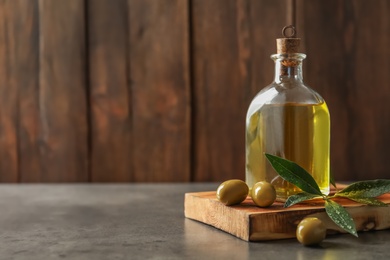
{"x": 252, "y": 223}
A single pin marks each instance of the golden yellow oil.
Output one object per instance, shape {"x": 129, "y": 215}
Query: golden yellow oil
{"x": 297, "y": 132}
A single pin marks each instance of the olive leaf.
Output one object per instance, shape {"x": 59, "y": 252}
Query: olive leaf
{"x": 340, "y": 216}
{"x": 365, "y": 189}
{"x": 294, "y": 199}
{"x": 294, "y": 174}
{"x": 368, "y": 201}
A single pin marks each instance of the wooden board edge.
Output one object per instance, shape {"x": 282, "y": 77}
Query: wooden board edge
{"x": 205, "y": 213}
{"x": 366, "y": 218}
{"x": 276, "y": 225}
{"x": 253, "y": 227}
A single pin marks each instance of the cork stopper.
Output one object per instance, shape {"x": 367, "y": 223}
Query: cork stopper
{"x": 289, "y": 44}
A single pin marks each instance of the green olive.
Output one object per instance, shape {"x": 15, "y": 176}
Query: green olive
{"x": 263, "y": 194}
{"x": 311, "y": 231}
{"x": 232, "y": 192}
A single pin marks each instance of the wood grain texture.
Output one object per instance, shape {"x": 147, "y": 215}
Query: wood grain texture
{"x": 109, "y": 91}
{"x": 27, "y": 82}
{"x": 9, "y": 95}
{"x": 347, "y": 46}
{"x": 144, "y": 91}
{"x": 251, "y": 223}
{"x": 232, "y": 42}
{"x": 62, "y": 92}
{"x": 159, "y": 76}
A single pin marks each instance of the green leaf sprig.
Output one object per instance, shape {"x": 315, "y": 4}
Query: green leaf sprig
{"x": 364, "y": 192}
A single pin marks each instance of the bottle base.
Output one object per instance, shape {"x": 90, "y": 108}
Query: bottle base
{"x": 282, "y": 194}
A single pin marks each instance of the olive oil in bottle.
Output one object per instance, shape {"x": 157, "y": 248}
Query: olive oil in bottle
{"x": 289, "y": 120}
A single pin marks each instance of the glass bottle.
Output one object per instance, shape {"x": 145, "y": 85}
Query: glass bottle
{"x": 290, "y": 120}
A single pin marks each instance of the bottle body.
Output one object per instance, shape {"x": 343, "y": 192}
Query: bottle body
{"x": 289, "y": 120}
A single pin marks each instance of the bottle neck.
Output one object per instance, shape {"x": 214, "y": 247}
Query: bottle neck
{"x": 288, "y": 67}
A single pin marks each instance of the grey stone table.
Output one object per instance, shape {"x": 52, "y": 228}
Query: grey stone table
{"x": 141, "y": 221}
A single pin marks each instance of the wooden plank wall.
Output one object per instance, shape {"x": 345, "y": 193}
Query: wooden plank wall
{"x": 157, "y": 91}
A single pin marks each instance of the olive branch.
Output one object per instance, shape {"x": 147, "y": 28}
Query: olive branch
{"x": 364, "y": 192}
